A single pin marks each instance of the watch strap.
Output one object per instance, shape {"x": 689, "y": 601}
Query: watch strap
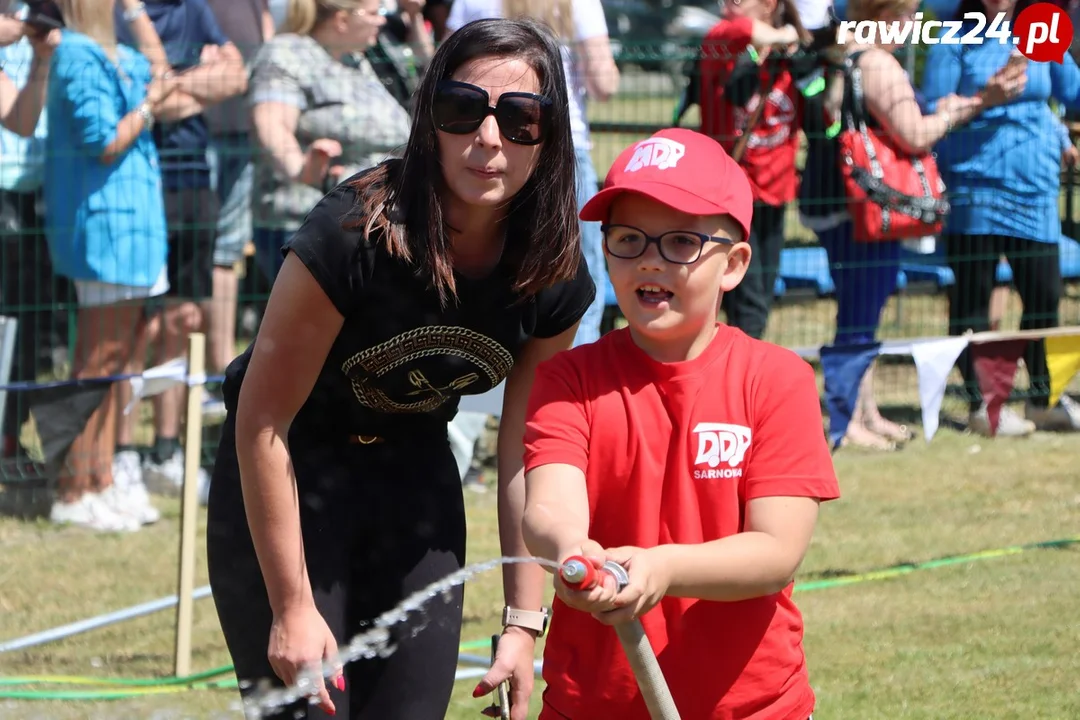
{"x": 528, "y": 619}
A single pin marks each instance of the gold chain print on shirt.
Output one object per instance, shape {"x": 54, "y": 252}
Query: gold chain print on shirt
{"x": 423, "y": 392}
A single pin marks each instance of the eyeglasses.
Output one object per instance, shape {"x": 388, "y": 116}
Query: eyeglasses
{"x": 460, "y": 108}
{"x": 682, "y": 247}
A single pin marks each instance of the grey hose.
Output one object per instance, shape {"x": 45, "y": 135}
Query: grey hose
{"x": 642, "y": 659}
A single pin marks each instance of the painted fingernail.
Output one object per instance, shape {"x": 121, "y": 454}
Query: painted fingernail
{"x": 478, "y": 691}
{"x": 340, "y": 683}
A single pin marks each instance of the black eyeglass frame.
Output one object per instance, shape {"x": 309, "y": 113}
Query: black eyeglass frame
{"x": 656, "y": 239}
{"x": 544, "y": 102}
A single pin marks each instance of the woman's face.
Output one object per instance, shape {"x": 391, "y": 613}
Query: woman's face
{"x": 360, "y": 27}
{"x": 483, "y": 167}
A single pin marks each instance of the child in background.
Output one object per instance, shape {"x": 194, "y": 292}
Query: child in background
{"x": 683, "y": 449}
{"x": 742, "y": 59}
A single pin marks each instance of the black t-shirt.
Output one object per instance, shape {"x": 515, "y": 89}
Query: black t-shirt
{"x": 401, "y": 361}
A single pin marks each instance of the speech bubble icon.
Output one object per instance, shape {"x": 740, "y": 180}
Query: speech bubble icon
{"x": 1043, "y": 32}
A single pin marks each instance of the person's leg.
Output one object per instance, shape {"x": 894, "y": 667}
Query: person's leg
{"x": 1037, "y": 275}
{"x": 236, "y": 580}
{"x": 748, "y": 304}
{"x": 592, "y": 246}
{"x": 25, "y": 284}
{"x": 192, "y": 216}
{"x": 864, "y": 275}
{"x": 103, "y": 344}
{"x": 973, "y": 260}
{"x": 235, "y": 174}
{"x": 418, "y": 539}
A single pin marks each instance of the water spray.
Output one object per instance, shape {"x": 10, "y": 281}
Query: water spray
{"x": 580, "y": 574}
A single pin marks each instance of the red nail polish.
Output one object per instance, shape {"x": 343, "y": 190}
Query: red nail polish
{"x": 340, "y": 683}
{"x": 478, "y": 691}
{"x": 332, "y": 712}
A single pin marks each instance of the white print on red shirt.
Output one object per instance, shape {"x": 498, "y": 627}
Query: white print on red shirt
{"x": 720, "y": 443}
{"x": 777, "y": 128}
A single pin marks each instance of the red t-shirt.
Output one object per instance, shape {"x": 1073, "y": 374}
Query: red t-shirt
{"x": 769, "y": 160}
{"x": 671, "y": 454}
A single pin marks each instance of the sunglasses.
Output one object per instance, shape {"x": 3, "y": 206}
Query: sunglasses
{"x": 682, "y": 247}
{"x": 461, "y": 108}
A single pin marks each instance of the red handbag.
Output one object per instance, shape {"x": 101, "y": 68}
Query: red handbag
{"x": 891, "y": 194}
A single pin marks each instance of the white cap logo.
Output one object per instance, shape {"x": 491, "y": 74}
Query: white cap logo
{"x": 660, "y": 153}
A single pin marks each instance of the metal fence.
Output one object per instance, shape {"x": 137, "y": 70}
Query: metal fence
{"x": 804, "y": 313}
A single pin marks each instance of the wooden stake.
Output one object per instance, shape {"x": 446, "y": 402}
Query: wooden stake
{"x": 189, "y": 508}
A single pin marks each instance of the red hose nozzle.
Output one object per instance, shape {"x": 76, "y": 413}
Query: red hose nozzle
{"x": 578, "y": 573}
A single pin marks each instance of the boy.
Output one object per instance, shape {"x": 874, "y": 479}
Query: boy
{"x": 683, "y": 449}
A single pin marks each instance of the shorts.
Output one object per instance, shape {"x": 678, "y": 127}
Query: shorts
{"x": 91, "y": 293}
{"x": 231, "y": 160}
{"x": 192, "y": 217}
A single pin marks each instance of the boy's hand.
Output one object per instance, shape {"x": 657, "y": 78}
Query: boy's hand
{"x": 649, "y": 583}
{"x": 599, "y": 598}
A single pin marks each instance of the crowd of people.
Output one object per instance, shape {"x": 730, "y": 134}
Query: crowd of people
{"x": 147, "y": 145}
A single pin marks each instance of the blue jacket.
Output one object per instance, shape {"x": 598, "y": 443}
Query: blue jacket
{"x": 1002, "y": 169}
{"x": 104, "y": 221}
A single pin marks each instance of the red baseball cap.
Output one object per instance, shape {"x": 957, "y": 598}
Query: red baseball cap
{"x": 683, "y": 169}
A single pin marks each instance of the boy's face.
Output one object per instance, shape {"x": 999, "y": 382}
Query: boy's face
{"x": 664, "y": 300}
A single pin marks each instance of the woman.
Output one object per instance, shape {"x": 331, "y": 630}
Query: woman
{"x": 1003, "y": 172}
{"x": 320, "y": 113}
{"x": 865, "y": 273}
{"x": 335, "y": 492}
{"x": 105, "y": 223}
{"x": 591, "y": 74}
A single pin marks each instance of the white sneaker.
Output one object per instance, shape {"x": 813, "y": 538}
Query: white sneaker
{"x": 128, "y": 495}
{"x": 1009, "y": 423}
{"x": 127, "y": 468}
{"x": 132, "y": 501}
{"x": 91, "y": 511}
{"x": 167, "y": 478}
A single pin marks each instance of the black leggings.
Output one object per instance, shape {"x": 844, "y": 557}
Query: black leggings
{"x": 1036, "y": 270}
{"x": 379, "y": 522}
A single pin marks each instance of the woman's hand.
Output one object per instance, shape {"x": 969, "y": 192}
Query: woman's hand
{"x": 300, "y": 639}
{"x": 1005, "y": 85}
{"x": 649, "y": 583}
{"x": 317, "y": 161}
{"x": 159, "y": 89}
{"x": 44, "y": 43}
{"x": 513, "y": 662}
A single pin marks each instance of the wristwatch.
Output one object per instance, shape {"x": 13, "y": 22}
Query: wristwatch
{"x": 528, "y": 619}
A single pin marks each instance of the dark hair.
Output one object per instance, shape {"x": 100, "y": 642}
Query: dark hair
{"x": 402, "y": 198}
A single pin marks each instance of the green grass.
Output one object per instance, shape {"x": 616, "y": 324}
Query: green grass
{"x": 989, "y": 639}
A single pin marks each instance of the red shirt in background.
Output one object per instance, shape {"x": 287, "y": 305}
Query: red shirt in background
{"x": 671, "y": 454}
{"x": 769, "y": 160}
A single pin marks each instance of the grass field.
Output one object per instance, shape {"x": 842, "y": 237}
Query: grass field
{"x": 989, "y": 639}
